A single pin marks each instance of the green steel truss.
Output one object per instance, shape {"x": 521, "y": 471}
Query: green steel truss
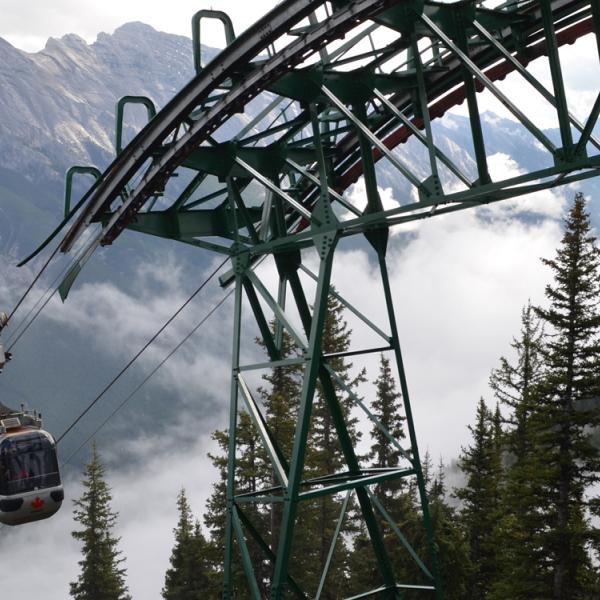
{"x": 331, "y": 92}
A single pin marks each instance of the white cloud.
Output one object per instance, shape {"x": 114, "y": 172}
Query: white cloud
{"x": 548, "y": 203}
{"x": 458, "y": 288}
{"x": 120, "y": 323}
{"x": 145, "y": 501}
{"x": 580, "y": 72}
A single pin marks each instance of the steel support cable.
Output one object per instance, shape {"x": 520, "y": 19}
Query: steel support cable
{"x": 16, "y": 335}
{"x": 32, "y": 284}
{"x": 142, "y": 350}
{"x": 156, "y": 368}
{"x": 67, "y": 218}
{"x": 148, "y": 377}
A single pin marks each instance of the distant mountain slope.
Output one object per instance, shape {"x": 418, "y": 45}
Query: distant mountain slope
{"x": 57, "y": 105}
{"x": 57, "y": 109}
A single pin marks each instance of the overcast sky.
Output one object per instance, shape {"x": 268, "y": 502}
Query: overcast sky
{"x": 27, "y": 25}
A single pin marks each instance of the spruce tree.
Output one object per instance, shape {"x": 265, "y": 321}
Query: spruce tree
{"x": 251, "y": 474}
{"x": 317, "y": 519}
{"x": 280, "y": 397}
{"x": 387, "y": 407}
{"x": 190, "y": 575}
{"x": 102, "y": 576}
{"x": 523, "y": 573}
{"x": 325, "y": 457}
{"x": 450, "y": 538}
{"x": 481, "y": 464}
{"x": 395, "y": 496}
{"x": 569, "y": 402}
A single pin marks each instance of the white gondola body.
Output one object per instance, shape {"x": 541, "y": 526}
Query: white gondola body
{"x": 30, "y": 485}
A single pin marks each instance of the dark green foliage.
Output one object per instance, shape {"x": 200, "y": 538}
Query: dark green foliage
{"x": 568, "y": 402}
{"x": 190, "y": 574}
{"x": 252, "y": 473}
{"x": 401, "y": 504}
{"x": 481, "y": 464}
{"x": 387, "y": 408}
{"x": 102, "y": 576}
{"x": 280, "y": 399}
{"x": 451, "y": 540}
{"x": 397, "y": 500}
{"x": 551, "y": 393}
{"x": 523, "y": 573}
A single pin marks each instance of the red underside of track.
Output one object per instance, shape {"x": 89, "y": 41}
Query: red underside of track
{"x": 457, "y": 96}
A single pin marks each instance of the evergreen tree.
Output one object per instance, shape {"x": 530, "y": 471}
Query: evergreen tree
{"x": 395, "y": 496}
{"x": 325, "y": 457}
{"x": 481, "y": 464}
{"x": 189, "y": 576}
{"x": 251, "y": 474}
{"x": 523, "y": 574}
{"x": 387, "y": 408}
{"x": 450, "y": 539}
{"x": 102, "y": 577}
{"x": 318, "y": 519}
{"x": 568, "y": 402}
{"x": 280, "y": 397}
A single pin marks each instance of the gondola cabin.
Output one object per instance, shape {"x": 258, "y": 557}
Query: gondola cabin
{"x": 30, "y": 486}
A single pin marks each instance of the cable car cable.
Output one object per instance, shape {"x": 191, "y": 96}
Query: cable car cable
{"x": 35, "y": 280}
{"x": 54, "y": 287}
{"x": 156, "y": 368}
{"x": 148, "y": 377}
{"x": 54, "y": 252}
{"x": 141, "y": 351}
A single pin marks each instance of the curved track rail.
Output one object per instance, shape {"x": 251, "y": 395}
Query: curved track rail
{"x": 243, "y": 72}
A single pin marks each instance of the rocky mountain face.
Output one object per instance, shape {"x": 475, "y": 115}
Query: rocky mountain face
{"x": 57, "y": 105}
{"x": 57, "y": 109}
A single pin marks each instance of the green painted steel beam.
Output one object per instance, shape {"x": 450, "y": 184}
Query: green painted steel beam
{"x": 120, "y": 113}
{"x": 410, "y": 424}
{"x": 562, "y": 109}
{"x": 356, "y": 484}
{"x": 246, "y": 559}
{"x": 303, "y": 421}
{"x": 188, "y": 225}
{"x": 330, "y": 553}
{"x": 228, "y": 590}
{"x": 394, "y": 526}
{"x": 293, "y": 586}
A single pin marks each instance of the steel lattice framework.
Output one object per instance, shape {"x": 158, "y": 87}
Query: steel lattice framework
{"x": 339, "y": 86}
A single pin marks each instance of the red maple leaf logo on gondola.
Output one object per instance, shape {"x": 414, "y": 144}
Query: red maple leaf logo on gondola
{"x": 37, "y": 503}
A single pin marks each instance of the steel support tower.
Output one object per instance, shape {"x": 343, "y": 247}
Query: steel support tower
{"x": 332, "y": 91}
